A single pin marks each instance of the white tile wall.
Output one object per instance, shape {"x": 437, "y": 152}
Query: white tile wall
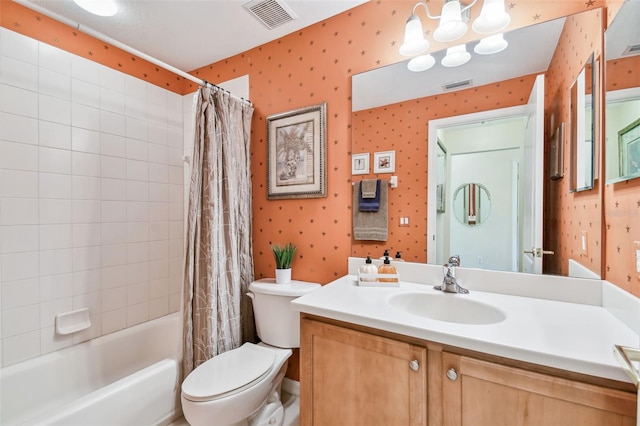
{"x": 91, "y": 197}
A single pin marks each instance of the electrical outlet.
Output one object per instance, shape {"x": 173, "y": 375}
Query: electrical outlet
{"x": 404, "y": 221}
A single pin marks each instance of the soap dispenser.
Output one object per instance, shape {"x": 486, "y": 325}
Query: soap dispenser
{"x": 398, "y": 257}
{"x": 385, "y": 254}
{"x": 387, "y": 268}
{"x": 368, "y": 268}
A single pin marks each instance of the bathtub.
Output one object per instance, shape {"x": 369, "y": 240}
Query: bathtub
{"x": 125, "y": 378}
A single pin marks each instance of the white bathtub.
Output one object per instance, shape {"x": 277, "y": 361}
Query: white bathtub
{"x": 125, "y": 378}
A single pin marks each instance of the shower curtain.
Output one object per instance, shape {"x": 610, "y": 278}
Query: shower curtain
{"x": 218, "y": 255}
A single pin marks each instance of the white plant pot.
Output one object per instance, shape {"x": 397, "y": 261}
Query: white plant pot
{"x": 283, "y": 276}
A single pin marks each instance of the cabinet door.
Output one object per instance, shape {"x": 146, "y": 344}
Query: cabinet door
{"x": 354, "y": 378}
{"x": 481, "y": 393}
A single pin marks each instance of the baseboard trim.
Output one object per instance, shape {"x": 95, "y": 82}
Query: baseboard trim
{"x": 291, "y": 387}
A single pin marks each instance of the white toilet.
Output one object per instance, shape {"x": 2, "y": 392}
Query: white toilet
{"x": 242, "y": 386}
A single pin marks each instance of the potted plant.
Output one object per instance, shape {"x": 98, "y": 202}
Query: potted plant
{"x": 283, "y": 256}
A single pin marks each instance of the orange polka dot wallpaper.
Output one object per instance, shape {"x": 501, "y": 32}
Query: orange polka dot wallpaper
{"x": 315, "y": 65}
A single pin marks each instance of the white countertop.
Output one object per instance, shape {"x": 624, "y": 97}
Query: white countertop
{"x": 570, "y": 336}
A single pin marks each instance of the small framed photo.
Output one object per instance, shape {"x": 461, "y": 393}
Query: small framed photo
{"x": 384, "y": 162}
{"x": 360, "y": 164}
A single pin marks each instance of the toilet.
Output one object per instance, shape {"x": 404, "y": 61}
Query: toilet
{"x": 242, "y": 386}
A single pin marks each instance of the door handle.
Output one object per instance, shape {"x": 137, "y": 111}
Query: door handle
{"x": 538, "y": 252}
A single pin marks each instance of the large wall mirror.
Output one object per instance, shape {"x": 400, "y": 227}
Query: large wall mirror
{"x": 622, "y": 113}
{"x": 384, "y": 90}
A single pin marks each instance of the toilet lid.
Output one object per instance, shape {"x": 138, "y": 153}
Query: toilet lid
{"x": 228, "y": 372}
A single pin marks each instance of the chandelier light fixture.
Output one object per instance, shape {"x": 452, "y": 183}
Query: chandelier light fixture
{"x": 452, "y": 25}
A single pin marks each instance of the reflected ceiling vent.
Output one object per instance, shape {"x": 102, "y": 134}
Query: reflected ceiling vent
{"x": 272, "y": 13}
{"x": 634, "y": 49}
{"x": 457, "y": 84}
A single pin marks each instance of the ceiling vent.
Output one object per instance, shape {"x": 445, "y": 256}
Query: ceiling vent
{"x": 634, "y": 49}
{"x": 457, "y": 84}
{"x": 272, "y": 13}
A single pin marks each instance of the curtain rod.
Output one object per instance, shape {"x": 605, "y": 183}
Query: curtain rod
{"x": 123, "y": 46}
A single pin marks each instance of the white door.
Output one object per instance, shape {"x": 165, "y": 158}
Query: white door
{"x": 532, "y": 175}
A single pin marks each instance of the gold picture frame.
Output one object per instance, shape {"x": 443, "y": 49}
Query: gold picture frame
{"x": 297, "y": 159}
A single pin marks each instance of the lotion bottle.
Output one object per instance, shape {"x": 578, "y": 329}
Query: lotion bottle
{"x": 387, "y": 268}
{"x": 398, "y": 257}
{"x": 368, "y": 268}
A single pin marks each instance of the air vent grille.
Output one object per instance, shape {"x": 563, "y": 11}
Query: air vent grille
{"x": 457, "y": 84}
{"x": 634, "y": 49}
{"x": 272, "y": 13}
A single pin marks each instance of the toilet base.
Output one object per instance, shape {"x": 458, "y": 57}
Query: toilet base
{"x": 271, "y": 414}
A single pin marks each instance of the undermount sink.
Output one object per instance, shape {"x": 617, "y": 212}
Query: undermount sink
{"x": 455, "y": 308}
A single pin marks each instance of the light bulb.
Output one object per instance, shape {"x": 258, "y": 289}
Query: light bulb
{"x": 490, "y": 45}
{"x": 456, "y": 56}
{"x": 414, "y": 41}
{"x": 451, "y": 26}
{"x": 421, "y": 63}
{"x": 492, "y": 18}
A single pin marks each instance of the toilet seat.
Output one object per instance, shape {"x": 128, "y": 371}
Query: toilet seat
{"x": 228, "y": 373}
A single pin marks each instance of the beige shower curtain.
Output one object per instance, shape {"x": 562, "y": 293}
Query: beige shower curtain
{"x": 218, "y": 254}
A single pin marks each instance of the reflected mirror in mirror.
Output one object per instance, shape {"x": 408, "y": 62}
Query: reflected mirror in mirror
{"x": 471, "y": 204}
{"x": 582, "y": 128}
{"x": 622, "y": 60}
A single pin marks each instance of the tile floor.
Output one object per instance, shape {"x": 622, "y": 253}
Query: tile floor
{"x": 291, "y": 412}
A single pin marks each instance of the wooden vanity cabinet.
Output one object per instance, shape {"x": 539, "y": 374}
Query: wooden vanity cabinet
{"x": 351, "y": 375}
{"x": 353, "y": 378}
{"x": 476, "y": 392}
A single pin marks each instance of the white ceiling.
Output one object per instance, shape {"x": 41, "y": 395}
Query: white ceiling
{"x": 189, "y": 34}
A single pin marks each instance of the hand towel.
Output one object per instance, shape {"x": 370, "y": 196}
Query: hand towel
{"x": 369, "y": 188}
{"x": 371, "y": 204}
{"x": 372, "y": 226}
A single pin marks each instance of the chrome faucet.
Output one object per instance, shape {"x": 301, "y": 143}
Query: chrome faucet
{"x": 449, "y": 282}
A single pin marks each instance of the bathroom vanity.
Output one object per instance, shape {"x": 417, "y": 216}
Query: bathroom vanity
{"x": 369, "y": 356}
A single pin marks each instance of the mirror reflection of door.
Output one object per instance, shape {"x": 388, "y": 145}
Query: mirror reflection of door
{"x": 482, "y": 166}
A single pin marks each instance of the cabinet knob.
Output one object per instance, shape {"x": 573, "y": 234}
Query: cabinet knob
{"x": 414, "y": 365}
{"x": 452, "y": 374}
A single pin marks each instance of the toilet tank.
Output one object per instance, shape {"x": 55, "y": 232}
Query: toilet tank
{"x": 276, "y": 323}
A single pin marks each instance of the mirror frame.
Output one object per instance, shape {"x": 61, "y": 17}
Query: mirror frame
{"x": 582, "y": 140}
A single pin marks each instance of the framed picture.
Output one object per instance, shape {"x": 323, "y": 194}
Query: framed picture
{"x": 629, "y": 147}
{"x": 556, "y": 153}
{"x": 297, "y": 153}
{"x": 360, "y": 164}
{"x": 384, "y": 162}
